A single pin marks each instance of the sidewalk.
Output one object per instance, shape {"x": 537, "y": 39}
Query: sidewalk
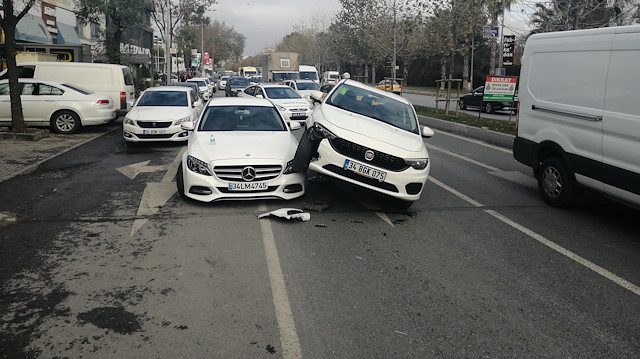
{"x": 19, "y": 157}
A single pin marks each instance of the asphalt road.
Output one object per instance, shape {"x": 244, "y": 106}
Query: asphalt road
{"x": 105, "y": 261}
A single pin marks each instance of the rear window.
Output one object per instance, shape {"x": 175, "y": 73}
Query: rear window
{"x": 128, "y": 79}
{"x": 79, "y": 89}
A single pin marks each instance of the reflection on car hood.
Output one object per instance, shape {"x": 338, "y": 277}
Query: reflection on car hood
{"x": 291, "y": 102}
{"x": 158, "y": 113}
{"x": 243, "y": 145}
{"x": 364, "y": 126}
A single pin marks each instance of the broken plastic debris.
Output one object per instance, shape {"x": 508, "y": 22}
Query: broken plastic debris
{"x": 288, "y": 213}
{"x": 399, "y": 332}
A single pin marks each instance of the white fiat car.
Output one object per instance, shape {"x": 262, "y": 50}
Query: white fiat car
{"x": 367, "y": 137}
{"x": 159, "y": 112}
{"x": 240, "y": 148}
{"x": 290, "y": 104}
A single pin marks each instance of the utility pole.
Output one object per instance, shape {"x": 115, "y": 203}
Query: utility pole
{"x": 202, "y": 50}
{"x": 393, "y": 64}
{"x": 500, "y": 64}
{"x": 167, "y": 38}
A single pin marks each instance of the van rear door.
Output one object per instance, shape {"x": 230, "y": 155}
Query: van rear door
{"x": 621, "y": 122}
{"x": 127, "y": 101}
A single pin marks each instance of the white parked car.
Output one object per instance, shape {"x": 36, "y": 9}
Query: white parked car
{"x": 290, "y": 104}
{"x": 159, "y": 112}
{"x": 64, "y": 108}
{"x": 367, "y": 137}
{"x": 240, "y": 148}
{"x": 204, "y": 88}
{"x": 303, "y": 87}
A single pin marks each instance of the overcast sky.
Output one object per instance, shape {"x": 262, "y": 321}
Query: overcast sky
{"x": 265, "y": 22}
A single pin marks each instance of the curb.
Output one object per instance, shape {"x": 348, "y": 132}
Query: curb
{"x": 492, "y": 137}
{"x": 23, "y": 136}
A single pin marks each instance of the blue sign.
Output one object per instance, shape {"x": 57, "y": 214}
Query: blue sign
{"x": 490, "y": 32}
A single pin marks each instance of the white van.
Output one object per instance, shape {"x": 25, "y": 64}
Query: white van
{"x": 113, "y": 80}
{"x": 330, "y": 77}
{"x": 308, "y": 72}
{"x": 579, "y": 113}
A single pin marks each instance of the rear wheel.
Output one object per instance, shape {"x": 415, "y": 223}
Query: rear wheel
{"x": 65, "y": 122}
{"x": 306, "y": 149}
{"x": 556, "y": 184}
{"x": 488, "y": 108}
{"x": 463, "y": 106}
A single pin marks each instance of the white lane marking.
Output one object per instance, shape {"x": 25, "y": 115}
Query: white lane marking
{"x": 135, "y": 169}
{"x": 288, "y": 334}
{"x": 375, "y": 206}
{"x": 155, "y": 195}
{"x": 490, "y": 168}
{"x": 475, "y": 141}
{"x": 565, "y": 252}
{"x": 456, "y": 193}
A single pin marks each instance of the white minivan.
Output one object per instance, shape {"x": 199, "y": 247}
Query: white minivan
{"x": 579, "y": 113}
{"x": 107, "y": 79}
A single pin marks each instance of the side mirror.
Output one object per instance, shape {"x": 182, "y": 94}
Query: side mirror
{"x": 294, "y": 125}
{"x": 317, "y": 95}
{"x": 187, "y": 126}
{"x": 427, "y": 132}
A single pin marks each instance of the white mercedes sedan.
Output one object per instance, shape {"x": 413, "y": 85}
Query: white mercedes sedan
{"x": 64, "y": 108}
{"x": 158, "y": 114}
{"x": 240, "y": 148}
{"x": 368, "y": 137}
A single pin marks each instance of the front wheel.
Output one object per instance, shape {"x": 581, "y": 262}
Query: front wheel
{"x": 180, "y": 182}
{"x": 556, "y": 184}
{"x": 65, "y": 122}
{"x": 488, "y": 108}
{"x": 306, "y": 149}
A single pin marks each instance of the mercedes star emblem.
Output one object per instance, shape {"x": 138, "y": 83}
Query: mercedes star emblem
{"x": 248, "y": 173}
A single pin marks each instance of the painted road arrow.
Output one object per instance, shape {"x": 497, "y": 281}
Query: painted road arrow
{"x": 133, "y": 170}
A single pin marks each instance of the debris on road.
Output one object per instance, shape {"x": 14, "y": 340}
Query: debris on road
{"x": 80, "y": 273}
{"x": 321, "y": 225}
{"x": 288, "y": 213}
{"x": 399, "y": 332}
{"x": 318, "y": 206}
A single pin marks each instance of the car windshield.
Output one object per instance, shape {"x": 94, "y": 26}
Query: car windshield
{"x": 276, "y": 93}
{"x": 256, "y": 79}
{"x": 241, "y": 118}
{"x": 239, "y": 82}
{"x": 308, "y": 75}
{"x": 307, "y": 86}
{"x": 376, "y": 106}
{"x": 164, "y": 98}
{"x": 283, "y": 76}
{"x": 383, "y": 82}
{"x": 224, "y": 78}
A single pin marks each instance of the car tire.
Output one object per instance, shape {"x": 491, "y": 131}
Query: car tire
{"x": 463, "y": 106}
{"x": 65, "y": 122}
{"x": 305, "y": 151}
{"x": 488, "y": 107}
{"x": 180, "y": 182}
{"x": 556, "y": 183}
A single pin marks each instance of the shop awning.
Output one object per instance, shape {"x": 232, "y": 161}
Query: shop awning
{"x": 31, "y": 28}
{"x": 67, "y": 35}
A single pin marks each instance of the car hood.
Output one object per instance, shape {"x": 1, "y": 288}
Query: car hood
{"x": 158, "y": 113}
{"x": 291, "y": 102}
{"x": 242, "y": 145}
{"x": 354, "y": 127}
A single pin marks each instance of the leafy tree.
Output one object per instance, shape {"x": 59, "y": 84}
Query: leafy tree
{"x": 561, "y": 15}
{"x": 120, "y": 16}
{"x": 9, "y": 21}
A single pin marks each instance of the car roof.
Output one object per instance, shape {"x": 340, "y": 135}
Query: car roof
{"x": 169, "y": 88}
{"x": 242, "y": 101}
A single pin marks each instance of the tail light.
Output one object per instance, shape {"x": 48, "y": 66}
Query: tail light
{"x": 123, "y": 96}
{"x": 102, "y": 102}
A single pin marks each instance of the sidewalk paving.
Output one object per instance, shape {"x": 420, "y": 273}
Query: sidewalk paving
{"x": 19, "y": 157}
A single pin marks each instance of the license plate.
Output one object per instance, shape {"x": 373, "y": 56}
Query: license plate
{"x": 364, "y": 170}
{"x": 154, "y": 132}
{"x": 298, "y": 114}
{"x": 247, "y": 186}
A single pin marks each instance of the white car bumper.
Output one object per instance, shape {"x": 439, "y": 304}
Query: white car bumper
{"x": 406, "y": 184}
{"x": 297, "y": 115}
{"x": 213, "y": 188}
{"x": 172, "y": 133}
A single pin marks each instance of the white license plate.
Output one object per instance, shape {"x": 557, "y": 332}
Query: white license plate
{"x": 247, "y": 186}
{"x": 298, "y": 114}
{"x": 364, "y": 170}
{"x": 154, "y": 132}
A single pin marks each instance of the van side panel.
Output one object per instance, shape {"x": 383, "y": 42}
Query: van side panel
{"x": 621, "y": 142}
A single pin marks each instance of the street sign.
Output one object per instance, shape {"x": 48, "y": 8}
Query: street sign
{"x": 490, "y": 32}
{"x": 508, "y": 47}
{"x": 498, "y": 88}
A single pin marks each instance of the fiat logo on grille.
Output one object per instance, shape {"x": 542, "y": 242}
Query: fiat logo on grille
{"x": 248, "y": 173}
{"x": 369, "y": 155}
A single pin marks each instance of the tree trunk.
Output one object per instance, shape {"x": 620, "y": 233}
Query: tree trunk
{"x": 9, "y": 24}
{"x": 366, "y": 73}
{"x": 465, "y": 72}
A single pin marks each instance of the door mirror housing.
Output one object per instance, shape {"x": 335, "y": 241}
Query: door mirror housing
{"x": 427, "y": 132}
{"x": 188, "y": 126}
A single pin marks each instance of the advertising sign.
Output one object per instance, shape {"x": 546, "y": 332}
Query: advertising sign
{"x": 508, "y": 46}
{"x": 490, "y": 32}
{"x": 498, "y": 88}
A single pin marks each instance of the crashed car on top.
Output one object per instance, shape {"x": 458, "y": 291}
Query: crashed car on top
{"x": 367, "y": 137}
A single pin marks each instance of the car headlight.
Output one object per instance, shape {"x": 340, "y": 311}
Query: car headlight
{"x": 185, "y": 119}
{"x": 289, "y": 168}
{"x": 418, "y": 163}
{"x": 129, "y": 121}
{"x": 280, "y": 108}
{"x": 198, "y": 166}
{"x": 322, "y": 132}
